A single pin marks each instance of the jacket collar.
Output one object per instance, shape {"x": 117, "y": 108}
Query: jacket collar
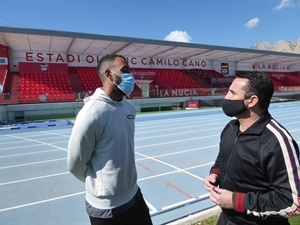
{"x": 256, "y": 128}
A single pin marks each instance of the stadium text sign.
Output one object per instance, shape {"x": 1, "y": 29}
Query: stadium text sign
{"x": 91, "y": 60}
{"x": 178, "y": 93}
{"x": 274, "y": 67}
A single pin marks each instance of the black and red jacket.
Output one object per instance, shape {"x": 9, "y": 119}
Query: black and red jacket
{"x": 261, "y": 167}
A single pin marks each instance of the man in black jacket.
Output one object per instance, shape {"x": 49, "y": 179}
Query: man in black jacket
{"x": 256, "y": 176}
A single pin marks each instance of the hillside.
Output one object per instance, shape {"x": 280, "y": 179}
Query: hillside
{"x": 280, "y": 46}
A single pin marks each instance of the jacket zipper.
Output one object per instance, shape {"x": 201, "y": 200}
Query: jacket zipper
{"x": 235, "y": 140}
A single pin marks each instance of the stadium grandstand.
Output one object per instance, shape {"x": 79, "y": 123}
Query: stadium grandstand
{"x": 46, "y": 73}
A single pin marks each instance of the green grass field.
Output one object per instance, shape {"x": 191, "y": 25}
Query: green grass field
{"x": 213, "y": 220}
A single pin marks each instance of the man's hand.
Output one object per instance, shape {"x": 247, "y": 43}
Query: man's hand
{"x": 211, "y": 181}
{"x": 221, "y": 197}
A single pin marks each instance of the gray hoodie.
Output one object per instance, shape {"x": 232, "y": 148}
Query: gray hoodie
{"x": 101, "y": 150}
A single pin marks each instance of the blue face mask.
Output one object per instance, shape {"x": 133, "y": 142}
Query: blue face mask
{"x": 127, "y": 84}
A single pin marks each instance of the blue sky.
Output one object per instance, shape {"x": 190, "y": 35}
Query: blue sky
{"x": 233, "y": 23}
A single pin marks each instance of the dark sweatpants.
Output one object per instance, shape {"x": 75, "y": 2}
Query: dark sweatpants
{"x": 137, "y": 214}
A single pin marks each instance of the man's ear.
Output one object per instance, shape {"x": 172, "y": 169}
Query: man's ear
{"x": 253, "y": 101}
{"x": 108, "y": 74}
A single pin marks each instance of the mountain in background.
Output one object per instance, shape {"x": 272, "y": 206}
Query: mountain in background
{"x": 280, "y": 46}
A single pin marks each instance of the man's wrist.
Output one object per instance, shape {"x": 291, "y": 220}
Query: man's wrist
{"x": 215, "y": 171}
{"x": 238, "y": 201}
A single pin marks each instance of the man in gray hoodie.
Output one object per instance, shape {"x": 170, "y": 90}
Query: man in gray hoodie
{"x": 101, "y": 149}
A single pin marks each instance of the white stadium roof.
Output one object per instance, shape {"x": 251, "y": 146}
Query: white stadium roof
{"x": 23, "y": 39}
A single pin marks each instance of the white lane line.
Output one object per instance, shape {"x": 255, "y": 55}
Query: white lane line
{"x": 150, "y": 206}
{"x": 29, "y": 164}
{"x": 183, "y": 140}
{"x": 59, "y": 134}
{"x": 40, "y": 202}
{"x": 26, "y": 146}
{"x": 34, "y": 178}
{"x": 41, "y": 142}
{"x": 176, "y": 127}
{"x": 172, "y": 166}
{"x": 28, "y": 153}
{"x": 179, "y": 152}
{"x": 176, "y": 171}
{"x": 174, "y": 134}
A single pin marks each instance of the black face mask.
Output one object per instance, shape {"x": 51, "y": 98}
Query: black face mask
{"x": 233, "y": 107}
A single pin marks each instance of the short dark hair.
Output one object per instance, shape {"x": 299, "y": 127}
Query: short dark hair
{"x": 106, "y": 63}
{"x": 259, "y": 84}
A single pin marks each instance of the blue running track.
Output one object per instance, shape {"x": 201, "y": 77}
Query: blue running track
{"x": 174, "y": 153}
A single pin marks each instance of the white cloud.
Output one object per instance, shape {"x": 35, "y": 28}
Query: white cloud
{"x": 252, "y": 23}
{"x": 285, "y": 4}
{"x": 180, "y": 36}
